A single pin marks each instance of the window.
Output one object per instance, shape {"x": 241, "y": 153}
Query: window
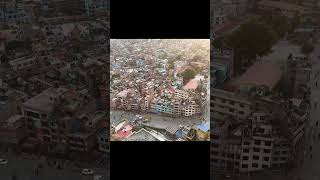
{"x": 275, "y": 159}
{"x": 255, "y": 157}
{"x": 231, "y": 102}
{"x": 241, "y": 105}
{"x": 264, "y": 166}
{"x": 230, "y": 156}
{"x": 256, "y": 150}
{"x": 241, "y": 112}
{"x": 223, "y": 101}
{"x": 244, "y": 165}
{"x": 238, "y": 156}
{"x": 283, "y": 159}
{"x": 231, "y": 110}
{"x": 246, "y": 150}
{"x": 215, "y": 137}
{"x": 245, "y": 157}
{"x": 267, "y": 143}
{"x": 32, "y": 114}
{"x": 277, "y": 152}
{"x": 215, "y": 153}
{"x": 266, "y": 151}
{"x": 284, "y": 152}
{"x": 254, "y": 165}
{"x": 246, "y": 143}
{"x": 215, "y": 145}
{"x": 215, "y": 160}
{"x": 257, "y": 142}
{"x": 266, "y": 158}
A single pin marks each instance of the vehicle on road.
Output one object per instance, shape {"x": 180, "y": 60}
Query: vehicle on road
{"x": 3, "y": 162}
{"x": 87, "y": 171}
{"x": 227, "y": 176}
{"x": 98, "y": 177}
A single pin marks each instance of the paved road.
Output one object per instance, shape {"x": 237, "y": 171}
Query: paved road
{"x": 156, "y": 120}
{"x": 25, "y": 170}
{"x": 280, "y": 52}
{"x": 310, "y": 169}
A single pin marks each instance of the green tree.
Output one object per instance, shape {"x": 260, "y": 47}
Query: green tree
{"x": 252, "y": 39}
{"x": 295, "y": 22}
{"x": 307, "y": 48}
{"x": 278, "y": 22}
{"x": 188, "y": 74}
{"x": 218, "y": 43}
{"x": 171, "y": 65}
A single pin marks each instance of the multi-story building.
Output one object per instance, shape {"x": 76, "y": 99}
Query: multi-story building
{"x": 161, "y": 106}
{"x": 257, "y": 145}
{"x": 297, "y": 75}
{"x": 103, "y": 141}
{"x": 225, "y": 148}
{"x": 218, "y": 14}
{"x": 287, "y": 9}
{"x": 37, "y": 111}
{"x": 23, "y": 64}
{"x": 180, "y": 94}
{"x": 72, "y": 7}
{"x": 224, "y": 104}
{"x": 13, "y": 130}
{"x": 84, "y": 140}
{"x": 222, "y": 64}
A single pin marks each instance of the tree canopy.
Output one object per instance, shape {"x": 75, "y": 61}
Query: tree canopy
{"x": 251, "y": 40}
{"x": 307, "y": 48}
{"x": 188, "y": 74}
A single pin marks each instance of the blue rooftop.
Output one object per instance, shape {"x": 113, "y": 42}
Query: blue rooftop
{"x": 204, "y": 126}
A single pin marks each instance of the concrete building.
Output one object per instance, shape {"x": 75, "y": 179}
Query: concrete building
{"x": 298, "y": 75}
{"x": 103, "y": 141}
{"x": 287, "y": 9}
{"x": 13, "y": 130}
{"x": 224, "y": 104}
{"x": 222, "y": 64}
{"x": 225, "y": 148}
{"x": 146, "y": 135}
{"x": 37, "y": 111}
{"x": 23, "y": 64}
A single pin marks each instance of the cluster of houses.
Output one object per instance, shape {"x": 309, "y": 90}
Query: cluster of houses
{"x": 53, "y": 83}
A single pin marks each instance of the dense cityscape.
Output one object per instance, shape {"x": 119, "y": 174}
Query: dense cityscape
{"x": 159, "y": 90}
{"x": 252, "y": 89}
{"x": 54, "y": 58}
{"x": 265, "y": 92}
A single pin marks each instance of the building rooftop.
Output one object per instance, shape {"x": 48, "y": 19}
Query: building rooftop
{"x": 282, "y": 5}
{"x": 42, "y": 101}
{"x": 260, "y": 74}
{"x": 192, "y": 84}
{"x": 145, "y": 135}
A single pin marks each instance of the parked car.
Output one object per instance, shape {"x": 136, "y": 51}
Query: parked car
{"x": 3, "y": 162}
{"x": 98, "y": 177}
{"x": 227, "y": 176}
{"x": 87, "y": 171}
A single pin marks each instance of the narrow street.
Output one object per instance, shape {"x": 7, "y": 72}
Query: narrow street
{"x": 158, "y": 121}
{"x": 24, "y": 169}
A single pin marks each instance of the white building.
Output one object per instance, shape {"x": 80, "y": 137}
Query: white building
{"x": 23, "y": 63}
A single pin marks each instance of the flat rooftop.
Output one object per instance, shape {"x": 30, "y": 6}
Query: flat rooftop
{"x": 144, "y": 135}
